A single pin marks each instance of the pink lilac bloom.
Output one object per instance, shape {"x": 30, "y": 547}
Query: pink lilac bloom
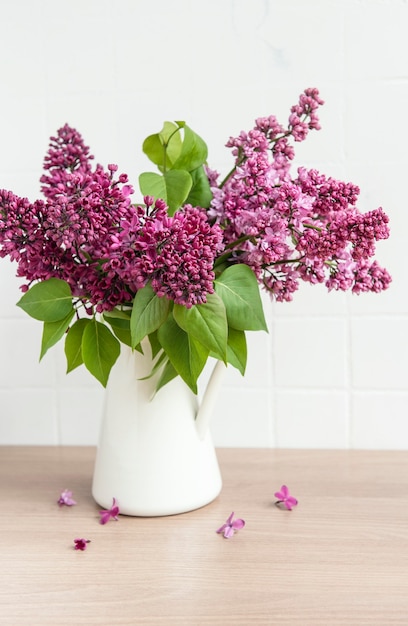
{"x": 66, "y": 498}
{"x": 285, "y": 498}
{"x": 291, "y": 229}
{"x": 111, "y": 513}
{"x": 228, "y": 529}
{"x": 370, "y": 277}
{"x": 81, "y": 544}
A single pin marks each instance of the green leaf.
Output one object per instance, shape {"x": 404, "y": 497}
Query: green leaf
{"x": 123, "y": 335}
{"x": 154, "y": 344}
{"x": 239, "y": 290}
{"x": 73, "y": 344}
{"x": 164, "y": 148}
{"x": 122, "y": 314}
{"x": 178, "y": 185}
{"x": 148, "y": 313}
{"x": 194, "y": 151}
{"x": 166, "y": 376}
{"x": 120, "y": 325}
{"x": 200, "y": 194}
{"x": 207, "y": 323}
{"x": 156, "y": 366}
{"x": 173, "y": 187}
{"x": 187, "y": 355}
{"x": 100, "y": 349}
{"x": 153, "y": 184}
{"x": 237, "y": 349}
{"x": 53, "y": 331}
{"x": 48, "y": 301}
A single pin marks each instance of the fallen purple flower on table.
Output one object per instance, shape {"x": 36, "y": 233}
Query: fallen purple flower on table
{"x": 285, "y": 498}
{"x": 66, "y": 498}
{"x": 80, "y": 544}
{"x": 113, "y": 513}
{"x": 230, "y": 526}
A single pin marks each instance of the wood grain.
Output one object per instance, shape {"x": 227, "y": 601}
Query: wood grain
{"x": 340, "y": 557}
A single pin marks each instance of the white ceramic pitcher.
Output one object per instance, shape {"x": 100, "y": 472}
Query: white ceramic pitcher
{"x": 155, "y": 454}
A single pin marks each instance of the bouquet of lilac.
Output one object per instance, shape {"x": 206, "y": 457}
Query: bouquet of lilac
{"x": 183, "y": 267}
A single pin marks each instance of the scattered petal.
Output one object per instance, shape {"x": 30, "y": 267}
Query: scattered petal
{"x": 66, "y": 498}
{"x": 230, "y": 526}
{"x": 80, "y": 544}
{"x": 111, "y": 513}
{"x": 285, "y": 498}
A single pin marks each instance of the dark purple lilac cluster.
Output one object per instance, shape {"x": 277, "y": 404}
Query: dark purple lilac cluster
{"x": 89, "y": 234}
{"x": 176, "y": 254}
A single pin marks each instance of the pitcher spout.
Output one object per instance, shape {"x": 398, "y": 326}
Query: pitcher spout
{"x": 208, "y": 401}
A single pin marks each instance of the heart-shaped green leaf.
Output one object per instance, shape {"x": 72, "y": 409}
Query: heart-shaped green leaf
{"x": 164, "y": 148}
{"x": 207, "y": 323}
{"x": 239, "y": 290}
{"x": 120, "y": 324}
{"x": 166, "y": 376}
{"x": 200, "y": 194}
{"x": 187, "y": 355}
{"x": 53, "y": 331}
{"x": 173, "y": 187}
{"x": 154, "y": 344}
{"x": 237, "y": 349}
{"x": 100, "y": 350}
{"x": 194, "y": 151}
{"x": 73, "y": 344}
{"x": 148, "y": 313}
{"x": 48, "y": 301}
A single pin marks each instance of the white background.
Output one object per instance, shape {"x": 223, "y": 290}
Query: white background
{"x": 332, "y": 372}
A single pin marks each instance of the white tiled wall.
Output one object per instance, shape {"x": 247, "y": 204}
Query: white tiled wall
{"x": 333, "y": 369}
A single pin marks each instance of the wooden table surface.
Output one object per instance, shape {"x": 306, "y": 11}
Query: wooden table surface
{"x": 340, "y": 557}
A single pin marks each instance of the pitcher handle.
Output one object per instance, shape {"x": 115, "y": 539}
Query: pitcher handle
{"x": 205, "y": 411}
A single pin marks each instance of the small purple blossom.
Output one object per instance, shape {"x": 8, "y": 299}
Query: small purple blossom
{"x": 66, "y": 498}
{"x": 111, "y": 513}
{"x": 285, "y": 498}
{"x": 81, "y": 544}
{"x": 230, "y": 526}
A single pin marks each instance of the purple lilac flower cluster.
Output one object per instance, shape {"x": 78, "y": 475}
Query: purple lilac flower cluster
{"x": 290, "y": 229}
{"x": 176, "y": 253}
{"x": 89, "y": 234}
